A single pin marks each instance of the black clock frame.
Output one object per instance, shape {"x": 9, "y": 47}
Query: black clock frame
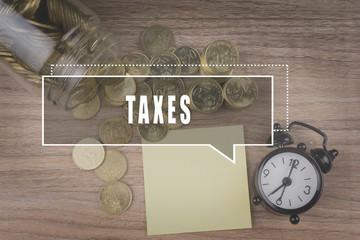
{"x": 276, "y": 208}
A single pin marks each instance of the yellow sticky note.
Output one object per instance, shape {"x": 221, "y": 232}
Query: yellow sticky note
{"x": 194, "y": 188}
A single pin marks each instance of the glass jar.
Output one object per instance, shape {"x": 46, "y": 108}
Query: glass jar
{"x": 59, "y": 38}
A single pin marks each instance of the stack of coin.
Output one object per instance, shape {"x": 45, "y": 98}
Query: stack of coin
{"x": 205, "y": 96}
{"x": 26, "y": 8}
{"x": 219, "y": 58}
{"x": 64, "y": 14}
{"x": 115, "y": 94}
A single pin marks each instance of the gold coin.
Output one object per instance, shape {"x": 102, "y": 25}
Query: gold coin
{"x": 85, "y": 90}
{"x": 137, "y": 64}
{"x": 189, "y": 58}
{"x": 115, "y": 95}
{"x": 240, "y": 92}
{"x": 136, "y": 113}
{"x": 219, "y": 57}
{"x": 175, "y": 115}
{"x": 113, "y": 167}
{"x": 153, "y": 132}
{"x": 172, "y": 86}
{"x": 87, "y": 110}
{"x": 65, "y": 14}
{"x": 115, "y": 130}
{"x": 88, "y": 157}
{"x": 220, "y": 80}
{"x": 142, "y": 89}
{"x": 26, "y": 8}
{"x": 166, "y": 63}
{"x": 205, "y": 96}
{"x": 107, "y": 69}
{"x": 156, "y": 39}
{"x": 115, "y": 197}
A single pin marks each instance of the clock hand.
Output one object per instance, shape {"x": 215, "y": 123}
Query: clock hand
{"x": 277, "y": 189}
{"x": 287, "y": 180}
{"x": 279, "y": 199}
{"x": 294, "y": 163}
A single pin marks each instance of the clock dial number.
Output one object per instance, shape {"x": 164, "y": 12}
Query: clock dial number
{"x": 266, "y": 172}
{"x": 295, "y": 161}
{"x": 307, "y": 189}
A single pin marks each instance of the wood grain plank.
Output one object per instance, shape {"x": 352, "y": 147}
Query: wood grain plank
{"x": 44, "y": 196}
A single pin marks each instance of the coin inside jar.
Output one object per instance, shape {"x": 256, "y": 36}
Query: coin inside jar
{"x": 87, "y": 110}
{"x": 115, "y": 197}
{"x": 115, "y": 130}
{"x": 240, "y": 92}
{"x": 205, "y": 96}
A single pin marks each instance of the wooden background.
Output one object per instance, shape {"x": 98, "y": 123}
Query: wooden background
{"x": 45, "y": 196}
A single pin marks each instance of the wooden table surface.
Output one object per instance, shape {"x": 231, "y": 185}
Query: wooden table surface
{"x": 45, "y": 196}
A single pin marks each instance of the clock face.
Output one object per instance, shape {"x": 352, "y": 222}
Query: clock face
{"x": 289, "y": 181}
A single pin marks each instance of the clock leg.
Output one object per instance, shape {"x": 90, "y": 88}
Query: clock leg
{"x": 294, "y": 219}
{"x": 256, "y": 200}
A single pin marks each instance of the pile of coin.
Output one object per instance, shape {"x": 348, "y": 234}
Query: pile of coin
{"x": 206, "y": 94}
{"x": 163, "y": 60}
{"x": 110, "y": 166}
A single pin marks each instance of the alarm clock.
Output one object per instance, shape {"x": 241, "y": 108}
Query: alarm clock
{"x": 289, "y": 180}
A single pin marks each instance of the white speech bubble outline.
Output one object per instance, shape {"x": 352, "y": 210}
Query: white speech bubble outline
{"x": 157, "y": 145}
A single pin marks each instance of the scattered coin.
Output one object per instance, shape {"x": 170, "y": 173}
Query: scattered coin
{"x": 240, "y": 92}
{"x": 115, "y": 197}
{"x": 137, "y": 64}
{"x": 113, "y": 167}
{"x": 88, "y": 157}
{"x": 115, "y": 95}
{"x": 87, "y": 110}
{"x": 165, "y": 63}
{"x": 156, "y": 39}
{"x": 172, "y": 86}
{"x": 142, "y": 89}
{"x": 115, "y": 130}
{"x": 175, "y": 114}
{"x": 189, "y": 58}
{"x": 205, "y": 96}
{"x": 136, "y": 113}
{"x": 153, "y": 132}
